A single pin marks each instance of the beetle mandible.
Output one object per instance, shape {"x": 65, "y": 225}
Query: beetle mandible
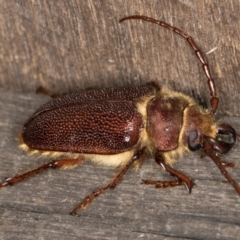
{"x": 123, "y": 125}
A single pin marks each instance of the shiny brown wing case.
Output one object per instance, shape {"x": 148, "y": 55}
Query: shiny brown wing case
{"x": 103, "y": 121}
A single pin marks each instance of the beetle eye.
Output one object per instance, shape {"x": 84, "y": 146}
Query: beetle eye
{"x": 193, "y": 145}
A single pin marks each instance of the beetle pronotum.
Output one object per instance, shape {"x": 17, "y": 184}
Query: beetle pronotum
{"x": 120, "y": 126}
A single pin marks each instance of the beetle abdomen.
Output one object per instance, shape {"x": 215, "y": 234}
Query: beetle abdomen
{"x": 97, "y": 127}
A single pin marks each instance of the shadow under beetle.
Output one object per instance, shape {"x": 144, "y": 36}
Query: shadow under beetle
{"x": 123, "y": 125}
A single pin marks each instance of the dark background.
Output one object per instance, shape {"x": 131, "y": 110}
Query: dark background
{"x": 67, "y": 46}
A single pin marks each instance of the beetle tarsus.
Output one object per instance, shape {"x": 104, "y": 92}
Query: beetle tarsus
{"x": 4, "y": 184}
{"x": 182, "y": 178}
{"x": 163, "y": 184}
{"x": 87, "y": 201}
{"x": 45, "y": 91}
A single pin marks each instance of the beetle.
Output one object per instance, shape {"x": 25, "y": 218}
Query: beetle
{"x": 121, "y": 126}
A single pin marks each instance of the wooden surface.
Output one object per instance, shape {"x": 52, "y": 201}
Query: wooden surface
{"x": 39, "y": 207}
{"x": 71, "y": 45}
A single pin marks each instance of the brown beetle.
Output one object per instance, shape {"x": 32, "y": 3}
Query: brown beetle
{"x": 121, "y": 126}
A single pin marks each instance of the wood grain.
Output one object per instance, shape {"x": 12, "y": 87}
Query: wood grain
{"x": 39, "y": 207}
{"x": 71, "y": 45}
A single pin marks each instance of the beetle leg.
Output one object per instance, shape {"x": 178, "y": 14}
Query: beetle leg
{"x": 228, "y": 164}
{"x": 182, "y": 179}
{"x": 86, "y": 202}
{"x": 238, "y": 136}
{"x": 61, "y": 164}
{"x": 222, "y": 167}
{"x": 44, "y": 90}
{"x": 163, "y": 184}
{"x": 208, "y": 150}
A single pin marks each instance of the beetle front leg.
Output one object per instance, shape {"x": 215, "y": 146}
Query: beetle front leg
{"x": 181, "y": 178}
{"x": 86, "y": 202}
{"x": 60, "y": 164}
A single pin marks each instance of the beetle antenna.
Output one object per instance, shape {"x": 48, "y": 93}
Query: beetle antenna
{"x": 211, "y": 84}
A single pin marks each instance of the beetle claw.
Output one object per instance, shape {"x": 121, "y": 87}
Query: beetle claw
{"x": 189, "y": 186}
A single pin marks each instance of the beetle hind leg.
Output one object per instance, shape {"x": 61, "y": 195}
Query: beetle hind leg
{"x": 44, "y": 90}
{"x": 87, "y": 200}
{"x": 182, "y": 179}
{"x": 55, "y": 164}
